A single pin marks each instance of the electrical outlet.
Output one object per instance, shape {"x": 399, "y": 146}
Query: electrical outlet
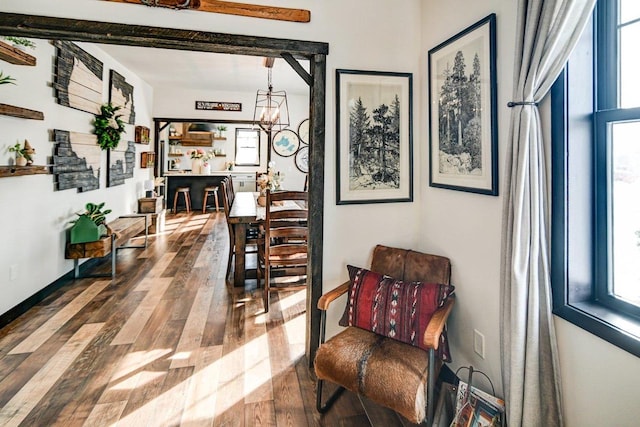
{"x": 13, "y": 272}
{"x": 478, "y": 343}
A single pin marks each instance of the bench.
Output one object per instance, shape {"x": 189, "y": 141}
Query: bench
{"x": 122, "y": 230}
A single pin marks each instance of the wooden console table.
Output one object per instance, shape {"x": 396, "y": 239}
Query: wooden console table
{"x": 123, "y": 229}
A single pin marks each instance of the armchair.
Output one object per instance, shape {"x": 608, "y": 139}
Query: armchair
{"x": 389, "y": 372}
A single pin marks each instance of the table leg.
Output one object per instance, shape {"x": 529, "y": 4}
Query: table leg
{"x": 240, "y": 231}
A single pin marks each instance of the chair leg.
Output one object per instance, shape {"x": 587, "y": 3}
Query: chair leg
{"x": 175, "y": 202}
{"x": 322, "y": 408}
{"x": 188, "y": 202}
{"x": 431, "y": 386}
{"x": 265, "y": 291}
{"x": 204, "y": 201}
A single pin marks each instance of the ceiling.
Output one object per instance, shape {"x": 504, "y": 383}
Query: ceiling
{"x": 206, "y": 71}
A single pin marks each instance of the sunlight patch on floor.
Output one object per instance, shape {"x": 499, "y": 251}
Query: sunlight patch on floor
{"x": 137, "y": 360}
{"x": 138, "y": 380}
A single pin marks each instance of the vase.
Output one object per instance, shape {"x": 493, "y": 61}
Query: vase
{"x": 262, "y": 200}
{"x": 21, "y": 161}
{"x": 206, "y": 169}
{"x": 196, "y": 166}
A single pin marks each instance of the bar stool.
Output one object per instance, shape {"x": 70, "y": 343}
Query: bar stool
{"x": 187, "y": 198}
{"x": 208, "y": 190}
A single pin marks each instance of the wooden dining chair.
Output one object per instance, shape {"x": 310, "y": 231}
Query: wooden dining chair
{"x": 252, "y": 238}
{"x": 284, "y": 252}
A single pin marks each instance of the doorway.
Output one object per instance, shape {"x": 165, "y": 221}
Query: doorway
{"x": 291, "y": 50}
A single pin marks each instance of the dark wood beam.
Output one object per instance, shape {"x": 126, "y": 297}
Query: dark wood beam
{"x": 167, "y": 38}
{"x": 298, "y": 68}
{"x": 317, "y": 123}
{"x": 233, "y": 8}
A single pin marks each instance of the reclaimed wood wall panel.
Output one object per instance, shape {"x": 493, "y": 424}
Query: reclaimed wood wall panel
{"x": 121, "y": 94}
{"x": 76, "y": 161}
{"x": 77, "y": 78}
{"x": 122, "y": 161}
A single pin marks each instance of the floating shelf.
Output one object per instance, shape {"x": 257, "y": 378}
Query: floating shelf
{"x": 220, "y": 155}
{"x": 6, "y": 171}
{"x": 220, "y": 138}
{"x": 22, "y": 113}
{"x": 13, "y": 55}
{"x": 174, "y": 155}
{"x": 174, "y": 137}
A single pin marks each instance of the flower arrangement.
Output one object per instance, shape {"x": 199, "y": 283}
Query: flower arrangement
{"x": 271, "y": 180}
{"x": 196, "y": 154}
{"x": 229, "y": 165}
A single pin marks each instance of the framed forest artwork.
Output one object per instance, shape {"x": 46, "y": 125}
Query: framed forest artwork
{"x": 463, "y": 140}
{"x": 374, "y": 137}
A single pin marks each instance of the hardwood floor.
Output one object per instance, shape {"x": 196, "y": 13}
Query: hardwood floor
{"x": 164, "y": 344}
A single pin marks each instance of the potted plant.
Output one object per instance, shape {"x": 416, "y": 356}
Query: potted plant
{"x": 90, "y": 225}
{"x": 20, "y": 42}
{"x": 108, "y": 126}
{"x": 24, "y": 155}
{"x": 221, "y": 130}
{"x": 5, "y": 80}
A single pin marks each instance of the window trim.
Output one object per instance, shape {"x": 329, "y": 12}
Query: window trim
{"x": 573, "y": 270}
{"x": 258, "y": 148}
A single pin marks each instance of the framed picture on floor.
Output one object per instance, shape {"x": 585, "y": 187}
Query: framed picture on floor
{"x": 374, "y": 137}
{"x": 463, "y": 140}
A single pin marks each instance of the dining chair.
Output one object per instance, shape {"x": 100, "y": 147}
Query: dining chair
{"x": 252, "y": 232}
{"x": 284, "y": 252}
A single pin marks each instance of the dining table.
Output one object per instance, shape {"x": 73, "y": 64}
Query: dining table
{"x": 245, "y": 211}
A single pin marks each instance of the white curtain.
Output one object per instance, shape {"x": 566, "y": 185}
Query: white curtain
{"x": 547, "y": 31}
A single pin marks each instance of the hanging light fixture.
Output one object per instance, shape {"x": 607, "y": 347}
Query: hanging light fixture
{"x": 272, "y": 112}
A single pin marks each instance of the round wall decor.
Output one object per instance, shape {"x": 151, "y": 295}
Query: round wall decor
{"x": 286, "y": 143}
{"x": 303, "y": 131}
{"x": 302, "y": 159}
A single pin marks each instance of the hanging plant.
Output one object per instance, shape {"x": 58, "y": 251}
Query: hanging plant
{"x": 108, "y": 126}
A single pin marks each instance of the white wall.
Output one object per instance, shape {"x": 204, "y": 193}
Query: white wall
{"x": 598, "y": 379}
{"x": 34, "y": 217}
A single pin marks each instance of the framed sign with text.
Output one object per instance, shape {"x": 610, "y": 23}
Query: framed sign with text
{"x": 218, "y": 106}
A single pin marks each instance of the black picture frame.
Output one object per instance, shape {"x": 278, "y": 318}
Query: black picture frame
{"x": 463, "y": 130}
{"x": 302, "y": 159}
{"x": 374, "y": 165}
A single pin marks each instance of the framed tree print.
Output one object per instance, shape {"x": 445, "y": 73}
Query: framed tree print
{"x": 374, "y": 137}
{"x": 463, "y": 140}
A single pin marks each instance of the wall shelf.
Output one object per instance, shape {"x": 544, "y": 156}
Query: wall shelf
{"x": 13, "y": 55}
{"x": 22, "y": 113}
{"x": 220, "y": 138}
{"x": 174, "y": 155}
{"x": 6, "y": 171}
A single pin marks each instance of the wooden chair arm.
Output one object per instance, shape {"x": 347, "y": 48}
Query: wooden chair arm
{"x": 326, "y": 299}
{"x": 437, "y": 323}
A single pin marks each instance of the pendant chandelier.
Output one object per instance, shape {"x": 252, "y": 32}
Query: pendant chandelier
{"x": 272, "y": 112}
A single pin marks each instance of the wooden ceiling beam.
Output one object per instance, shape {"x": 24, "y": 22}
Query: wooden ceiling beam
{"x": 229, "y": 8}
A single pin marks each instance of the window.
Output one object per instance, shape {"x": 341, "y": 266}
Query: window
{"x": 247, "y": 147}
{"x": 596, "y": 179}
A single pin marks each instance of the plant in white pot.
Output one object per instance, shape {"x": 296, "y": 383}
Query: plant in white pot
{"x": 24, "y": 155}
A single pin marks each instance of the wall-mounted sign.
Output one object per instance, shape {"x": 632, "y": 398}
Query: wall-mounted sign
{"x": 218, "y": 106}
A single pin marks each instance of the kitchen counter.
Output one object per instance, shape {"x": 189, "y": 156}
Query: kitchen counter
{"x": 242, "y": 181}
